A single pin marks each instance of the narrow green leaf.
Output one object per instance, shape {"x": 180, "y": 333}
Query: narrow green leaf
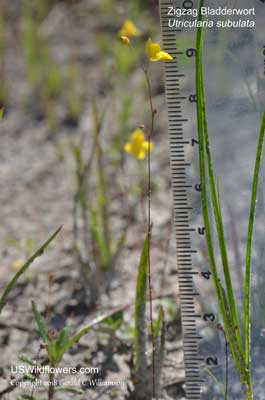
{"x": 204, "y": 151}
{"x": 217, "y": 213}
{"x": 232, "y": 339}
{"x": 159, "y": 338}
{"x": 202, "y": 164}
{"x": 249, "y": 241}
{"x": 30, "y": 377}
{"x": 27, "y": 360}
{"x": 119, "y": 246}
{"x": 62, "y": 338}
{"x": 159, "y": 323}
{"x": 40, "y": 322}
{"x": 115, "y": 320}
{"x": 74, "y": 339}
{"x": 226, "y": 299}
{"x": 98, "y": 236}
{"x": 102, "y": 185}
{"x": 24, "y": 267}
{"x": 76, "y": 152}
{"x": 139, "y": 314}
{"x": 1, "y": 113}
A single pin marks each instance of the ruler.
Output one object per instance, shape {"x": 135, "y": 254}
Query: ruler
{"x": 235, "y": 91}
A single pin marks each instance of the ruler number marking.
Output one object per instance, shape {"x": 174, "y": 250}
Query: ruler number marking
{"x": 201, "y": 230}
{"x": 187, "y": 4}
{"x": 193, "y": 98}
{"x": 209, "y": 317}
{"x": 198, "y": 187}
{"x": 206, "y": 275}
{"x": 177, "y": 132}
{"x": 191, "y": 52}
{"x": 212, "y": 361}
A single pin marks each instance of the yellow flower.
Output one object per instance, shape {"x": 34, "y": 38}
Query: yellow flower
{"x": 16, "y": 265}
{"x": 125, "y": 39}
{"x": 138, "y": 145}
{"x": 129, "y": 29}
{"x": 155, "y": 53}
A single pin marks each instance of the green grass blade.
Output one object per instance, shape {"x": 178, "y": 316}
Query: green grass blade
{"x": 233, "y": 342}
{"x": 249, "y": 241}
{"x": 74, "y": 339}
{"x": 139, "y": 315}
{"x": 114, "y": 321}
{"x": 226, "y": 299}
{"x": 216, "y": 205}
{"x": 24, "y": 267}
{"x": 40, "y": 322}
{"x": 61, "y": 342}
{"x": 159, "y": 350}
{"x": 102, "y": 186}
{"x": 28, "y": 360}
{"x": 201, "y": 102}
{"x": 200, "y": 119}
{"x": 205, "y": 145}
{"x": 159, "y": 323}
{"x": 98, "y": 236}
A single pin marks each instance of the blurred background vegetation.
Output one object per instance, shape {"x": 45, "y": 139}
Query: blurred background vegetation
{"x": 72, "y": 95}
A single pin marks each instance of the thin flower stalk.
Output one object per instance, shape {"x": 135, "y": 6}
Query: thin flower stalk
{"x": 138, "y": 147}
{"x": 149, "y": 191}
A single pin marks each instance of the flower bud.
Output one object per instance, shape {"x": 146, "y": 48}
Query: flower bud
{"x": 125, "y": 39}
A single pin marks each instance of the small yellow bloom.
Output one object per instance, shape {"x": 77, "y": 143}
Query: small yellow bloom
{"x": 129, "y": 29}
{"x": 125, "y": 39}
{"x": 155, "y": 53}
{"x": 138, "y": 145}
{"x": 16, "y": 265}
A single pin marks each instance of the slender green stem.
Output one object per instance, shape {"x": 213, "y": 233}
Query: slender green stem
{"x": 51, "y": 386}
